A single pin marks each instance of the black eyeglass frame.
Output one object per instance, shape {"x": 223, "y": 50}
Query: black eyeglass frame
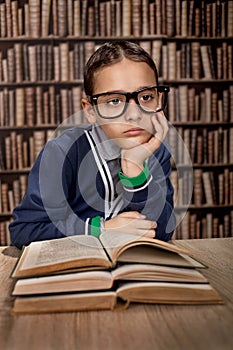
{"x": 132, "y": 95}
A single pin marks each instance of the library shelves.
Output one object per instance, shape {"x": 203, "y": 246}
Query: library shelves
{"x": 44, "y": 45}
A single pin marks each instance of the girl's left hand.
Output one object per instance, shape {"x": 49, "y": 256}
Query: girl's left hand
{"x": 133, "y": 159}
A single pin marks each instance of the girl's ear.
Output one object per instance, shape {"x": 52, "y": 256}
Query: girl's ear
{"x": 89, "y": 111}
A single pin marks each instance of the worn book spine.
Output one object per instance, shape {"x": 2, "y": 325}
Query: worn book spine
{"x": 171, "y": 47}
{"x": 64, "y": 61}
{"x": 136, "y": 18}
{"x": 145, "y": 17}
{"x": 45, "y": 17}
{"x": 184, "y": 18}
{"x": 34, "y": 18}
{"x": 170, "y": 10}
{"x": 195, "y": 60}
{"x": 77, "y": 18}
{"x": 208, "y": 187}
{"x": 91, "y": 21}
{"x": 3, "y": 20}
{"x": 54, "y": 17}
{"x": 230, "y": 18}
{"x": 62, "y": 17}
{"x": 206, "y": 62}
{"x": 126, "y": 18}
{"x": 8, "y": 18}
{"x": 15, "y": 23}
{"x": 29, "y": 102}
{"x": 20, "y": 106}
{"x": 190, "y": 17}
{"x": 152, "y": 18}
{"x": 84, "y": 18}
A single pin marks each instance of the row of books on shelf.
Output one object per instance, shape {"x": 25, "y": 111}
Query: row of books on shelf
{"x": 65, "y": 61}
{"x": 195, "y": 60}
{"x": 19, "y": 152}
{"x": 209, "y": 225}
{"x": 5, "y": 239}
{"x": 37, "y": 105}
{"x": 200, "y": 187}
{"x": 12, "y": 194}
{"x": 35, "y": 18}
{"x": 44, "y": 62}
{"x": 201, "y": 145}
{"x": 189, "y": 104}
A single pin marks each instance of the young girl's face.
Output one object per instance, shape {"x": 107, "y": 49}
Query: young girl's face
{"x": 134, "y": 126}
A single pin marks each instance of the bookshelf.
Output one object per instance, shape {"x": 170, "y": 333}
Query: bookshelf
{"x": 44, "y": 45}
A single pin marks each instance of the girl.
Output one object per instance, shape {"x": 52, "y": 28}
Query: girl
{"x": 113, "y": 174}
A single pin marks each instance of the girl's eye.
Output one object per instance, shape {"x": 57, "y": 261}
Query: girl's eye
{"x": 146, "y": 98}
{"x": 114, "y": 102}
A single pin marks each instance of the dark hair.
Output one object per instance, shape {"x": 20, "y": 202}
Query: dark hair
{"x": 111, "y": 53}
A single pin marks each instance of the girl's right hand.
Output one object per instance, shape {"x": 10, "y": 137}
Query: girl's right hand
{"x": 131, "y": 222}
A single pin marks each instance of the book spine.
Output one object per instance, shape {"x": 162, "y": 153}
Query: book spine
{"x": 45, "y": 17}
{"x": 34, "y": 18}
{"x": 62, "y": 17}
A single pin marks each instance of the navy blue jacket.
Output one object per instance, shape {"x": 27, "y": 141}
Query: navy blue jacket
{"x": 71, "y": 189}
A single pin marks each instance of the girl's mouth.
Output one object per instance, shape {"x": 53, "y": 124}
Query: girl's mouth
{"x": 134, "y": 132}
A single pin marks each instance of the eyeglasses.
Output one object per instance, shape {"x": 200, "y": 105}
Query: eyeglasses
{"x": 113, "y": 104}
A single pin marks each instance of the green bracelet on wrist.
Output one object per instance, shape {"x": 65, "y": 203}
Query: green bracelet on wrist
{"x": 135, "y": 181}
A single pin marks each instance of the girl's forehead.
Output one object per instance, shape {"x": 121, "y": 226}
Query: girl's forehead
{"x": 124, "y": 75}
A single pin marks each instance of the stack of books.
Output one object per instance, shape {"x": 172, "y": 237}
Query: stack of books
{"x": 87, "y": 273}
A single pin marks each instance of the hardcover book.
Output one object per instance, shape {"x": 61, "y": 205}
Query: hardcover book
{"x": 86, "y": 273}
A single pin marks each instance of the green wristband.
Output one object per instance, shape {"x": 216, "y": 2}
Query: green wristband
{"x": 95, "y": 226}
{"x": 135, "y": 181}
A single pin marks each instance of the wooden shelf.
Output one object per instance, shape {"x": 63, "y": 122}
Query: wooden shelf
{"x": 204, "y": 207}
{"x": 201, "y": 81}
{"x": 15, "y": 171}
{"x": 204, "y": 166}
{"x": 196, "y": 124}
{"x": 151, "y": 37}
{"x": 5, "y": 215}
{"x": 42, "y": 83}
{"x": 78, "y": 82}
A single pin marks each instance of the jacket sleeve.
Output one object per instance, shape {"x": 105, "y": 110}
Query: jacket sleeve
{"x": 45, "y": 211}
{"x": 151, "y": 193}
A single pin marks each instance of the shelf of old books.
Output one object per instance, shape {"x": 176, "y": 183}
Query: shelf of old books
{"x": 43, "y": 49}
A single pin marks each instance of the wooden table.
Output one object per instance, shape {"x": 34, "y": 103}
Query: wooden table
{"x": 141, "y": 327}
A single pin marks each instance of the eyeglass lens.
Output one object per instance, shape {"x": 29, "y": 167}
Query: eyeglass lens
{"x": 113, "y": 105}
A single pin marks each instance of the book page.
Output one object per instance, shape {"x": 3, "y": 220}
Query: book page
{"x": 153, "y": 255}
{"x": 115, "y": 243}
{"x": 70, "y": 282}
{"x": 169, "y": 293}
{"x": 65, "y": 302}
{"x": 150, "y": 272}
{"x": 68, "y": 249}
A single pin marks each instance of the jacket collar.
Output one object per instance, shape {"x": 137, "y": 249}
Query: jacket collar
{"x": 107, "y": 148}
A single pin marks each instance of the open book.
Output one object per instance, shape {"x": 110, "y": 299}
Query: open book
{"x": 139, "y": 292}
{"x": 102, "y": 280}
{"x": 84, "y": 273}
{"x": 88, "y": 252}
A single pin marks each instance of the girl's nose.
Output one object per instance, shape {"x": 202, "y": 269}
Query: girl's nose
{"x": 133, "y": 111}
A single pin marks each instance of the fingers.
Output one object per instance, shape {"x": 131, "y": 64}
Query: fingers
{"x": 132, "y": 215}
{"x": 132, "y": 223}
{"x": 149, "y": 234}
{"x": 161, "y": 128}
{"x": 161, "y": 125}
{"x": 144, "y": 224}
